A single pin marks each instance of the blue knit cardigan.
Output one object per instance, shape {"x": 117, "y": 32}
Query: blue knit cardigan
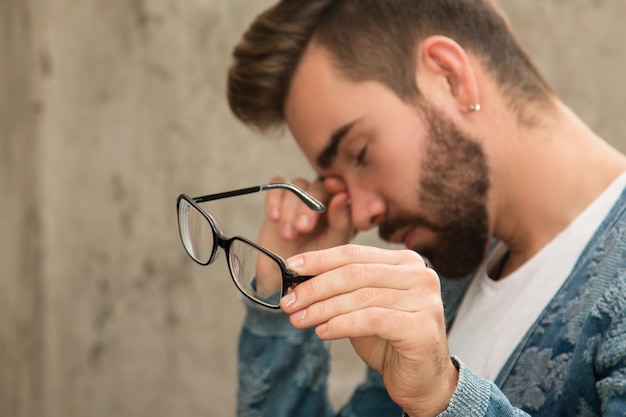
{"x": 571, "y": 362}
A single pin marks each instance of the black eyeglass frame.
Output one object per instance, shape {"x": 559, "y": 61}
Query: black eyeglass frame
{"x": 289, "y": 278}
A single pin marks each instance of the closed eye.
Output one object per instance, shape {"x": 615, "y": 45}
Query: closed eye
{"x": 360, "y": 158}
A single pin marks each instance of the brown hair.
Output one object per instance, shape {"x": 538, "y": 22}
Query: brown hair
{"x": 371, "y": 40}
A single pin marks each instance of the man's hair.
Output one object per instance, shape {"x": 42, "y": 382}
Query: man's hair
{"x": 371, "y": 40}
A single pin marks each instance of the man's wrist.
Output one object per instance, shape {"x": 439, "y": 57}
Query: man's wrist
{"x": 457, "y": 365}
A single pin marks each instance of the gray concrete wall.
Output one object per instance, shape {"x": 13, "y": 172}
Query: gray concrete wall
{"x": 108, "y": 110}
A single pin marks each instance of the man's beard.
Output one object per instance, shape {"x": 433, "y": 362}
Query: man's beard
{"x": 453, "y": 189}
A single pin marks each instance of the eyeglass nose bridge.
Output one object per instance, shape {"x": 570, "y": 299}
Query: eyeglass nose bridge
{"x": 219, "y": 239}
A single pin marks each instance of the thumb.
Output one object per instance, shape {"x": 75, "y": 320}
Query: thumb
{"x": 340, "y": 226}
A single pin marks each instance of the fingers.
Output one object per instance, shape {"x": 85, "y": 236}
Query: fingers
{"x": 385, "y": 323}
{"x": 388, "y": 303}
{"x": 273, "y": 199}
{"x": 291, "y": 227}
{"x": 394, "y": 280}
{"x": 317, "y": 262}
{"x": 292, "y": 215}
{"x": 360, "y": 286}
{"x": 340, "y": 228}
{"x": 339, "y": 206}
{"x": 334, "y": 185}
{"x": 294, "y": 218}
{"x": 351, "y": 303}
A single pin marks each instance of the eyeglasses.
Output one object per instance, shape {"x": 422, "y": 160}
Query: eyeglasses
{"x": 201, "y": 237}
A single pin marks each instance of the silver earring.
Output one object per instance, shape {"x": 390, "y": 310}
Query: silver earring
{"x": 473, "y": 107}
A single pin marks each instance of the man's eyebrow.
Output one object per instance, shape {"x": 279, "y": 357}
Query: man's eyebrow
{"x": 328, "y": 155}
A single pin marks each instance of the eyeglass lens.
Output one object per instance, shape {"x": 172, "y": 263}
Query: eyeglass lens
{"x": 247, "y": 264}
{"x": 196, "y": 233}
{"x": 245, "y": 261}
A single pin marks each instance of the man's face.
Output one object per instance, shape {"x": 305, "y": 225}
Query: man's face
{"x": 407, "y": 168}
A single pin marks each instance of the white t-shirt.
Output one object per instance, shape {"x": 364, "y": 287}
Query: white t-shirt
{"x": 494, "y": 316}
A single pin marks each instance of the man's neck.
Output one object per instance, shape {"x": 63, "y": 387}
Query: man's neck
{"x": 551, "y": 174}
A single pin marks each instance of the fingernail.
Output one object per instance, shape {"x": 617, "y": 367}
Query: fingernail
{"x": 289, "y": 299}
{"x": 295, "y": 261}
{"x": 275, "y": 213}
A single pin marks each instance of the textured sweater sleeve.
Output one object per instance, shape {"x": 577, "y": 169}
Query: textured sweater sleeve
{"x": 476, "y": 396}
{"x": 283, "y": 371}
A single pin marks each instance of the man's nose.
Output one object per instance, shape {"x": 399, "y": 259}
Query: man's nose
{"x": 367, "y": 209}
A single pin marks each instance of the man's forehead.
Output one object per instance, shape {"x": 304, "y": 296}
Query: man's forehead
{"x": 311, "y": 98}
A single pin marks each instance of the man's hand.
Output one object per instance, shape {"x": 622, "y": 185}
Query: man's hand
{"x": 290, "y": 227}
{"x": 389, "y": 304}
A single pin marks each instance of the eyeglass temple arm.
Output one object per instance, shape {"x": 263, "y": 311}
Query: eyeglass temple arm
{"x": 299, "y": 279}
{"x": 306, "y": 198}
{"x": 290, "y": 282}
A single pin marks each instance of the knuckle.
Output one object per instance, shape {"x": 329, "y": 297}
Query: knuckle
{"x": 412, "y": 257}
{"x": 365, "y": 296}
{"x": 433, "y": 301}
{"x": 432, "y": 279}
{"x": 313, "y": 258}
{"x": 353, "y": 271}
{"x": 370, "y": 297}
{"x": 430, "y": 332}
{"x": 307, "y": 287}
{"x": 351, "y": 250}
{"x": 377, "y": 317}
{"x": 321, "y": 309}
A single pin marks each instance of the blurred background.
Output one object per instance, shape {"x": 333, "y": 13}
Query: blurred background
{"x": 109, "y": 110}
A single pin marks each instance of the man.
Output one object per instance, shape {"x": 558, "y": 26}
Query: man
{"x": 425, "y": 119}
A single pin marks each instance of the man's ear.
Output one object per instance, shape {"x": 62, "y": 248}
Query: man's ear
{"x": 443, "y": 63}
